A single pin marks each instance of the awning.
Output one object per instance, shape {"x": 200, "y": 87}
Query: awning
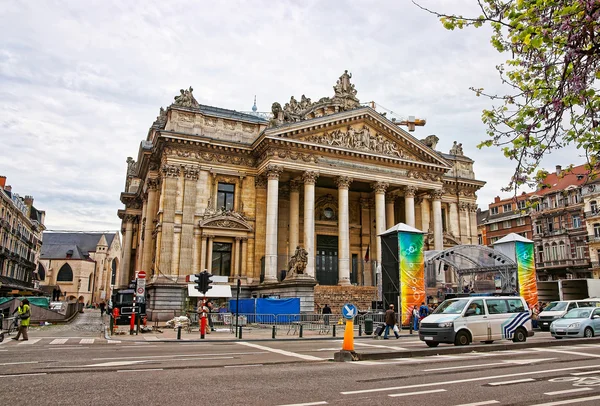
{"x": 214, "y": 291}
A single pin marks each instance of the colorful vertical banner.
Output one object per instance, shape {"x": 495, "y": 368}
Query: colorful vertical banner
{"x": 412, "y": 273}
{"x": 526, "y": 272}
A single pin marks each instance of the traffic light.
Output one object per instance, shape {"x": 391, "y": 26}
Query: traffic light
{"x": 203, "y": 281}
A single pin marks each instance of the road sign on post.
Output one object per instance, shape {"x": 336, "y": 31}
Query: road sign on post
{"x": 141, "y": 275}
{"x": 140, "y": 291}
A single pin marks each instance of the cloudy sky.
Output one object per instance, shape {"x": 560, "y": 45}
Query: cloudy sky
{"x": 81, "y": 81}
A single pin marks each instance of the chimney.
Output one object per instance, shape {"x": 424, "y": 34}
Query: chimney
{"x": 2, "y": 182}
{"x": 28, "y": 201}
{"x": 497, "y": 199}
{"x": 8, "y": 188}
{"x": 558, "y": 170}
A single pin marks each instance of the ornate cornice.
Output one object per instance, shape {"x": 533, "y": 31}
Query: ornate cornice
{"x": 343, "y": 182}
{"x": 310, "y": 177}
{"x": 379, "y": 187}
{"x": 210, "y": 156}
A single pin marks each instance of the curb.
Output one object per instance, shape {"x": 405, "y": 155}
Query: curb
{"x": 476, "y": 348}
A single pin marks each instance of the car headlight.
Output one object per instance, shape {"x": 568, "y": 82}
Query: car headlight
{"x": 447, "y": 324}
{"x": 574, "y": 325}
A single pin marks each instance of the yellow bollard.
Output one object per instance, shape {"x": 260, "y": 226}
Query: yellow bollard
{"x": 348, "y": 344}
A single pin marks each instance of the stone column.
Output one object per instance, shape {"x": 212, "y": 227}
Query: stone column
{"x": 127, "y": 240}
{"x": 149, "y": 230}
{"x": 454, "y": 221}
{"x": 379, "y": 188}
{"x": 237, "y": 257}
{"x": 425, "y": 214}
{"x": 273, "y": 173}
{"x": 343, "y": 184}
{"x": 473, "y": 223}
{"x": 409, "y": 205}
{"x": 310, "y": 178}
{"x": 177, "y": 224}
{"x": 203, "y": 254}
{"x": 294, "y": 230}
{"x": 141, "y": 237}
{"x": 243, "y": 265}
{"x": 390, "y": 221}
{"x": 438, "y": 236}
{"x": 209, "y": 251}
{"x": 196, "y": 253}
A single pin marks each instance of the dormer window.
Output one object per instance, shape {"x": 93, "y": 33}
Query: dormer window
{"x": 69, "y": 254}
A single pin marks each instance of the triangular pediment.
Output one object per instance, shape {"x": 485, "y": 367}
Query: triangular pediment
{"x": 226, "y": 220}
{"x": 361, "y": 130}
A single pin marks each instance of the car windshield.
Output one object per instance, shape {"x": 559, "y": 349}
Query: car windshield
{"x": 556, "y": 307}
{"x": 453, "y": 306}
{"x": 578, "y": 314}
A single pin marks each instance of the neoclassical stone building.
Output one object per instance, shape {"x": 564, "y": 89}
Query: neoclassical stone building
{"x": 236, "y": 193}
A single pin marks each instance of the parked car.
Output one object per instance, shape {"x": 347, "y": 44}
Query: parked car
{"x": 556, "y": 310}
{"x": 579, "y": 322}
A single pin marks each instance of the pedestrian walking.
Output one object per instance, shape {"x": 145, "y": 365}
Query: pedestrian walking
{"x": 415, "y": 319}
{"x": 390, "y": 322}
{"x": 423, "y": 311}
{"x": 326, "y": 312}
{"x": 102, "y": 306}
{"x": 24, "y": 311}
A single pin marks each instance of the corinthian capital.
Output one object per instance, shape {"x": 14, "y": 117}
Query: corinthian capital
{"x": 294, "y": 186}
{"x": 310, "y": 177}
{"x": 410, "y": 191}
{"x": 436, "y": 194}
{"x": 273, "y": 171}
{"x": 152, "y": 183}
{"x": 379, "y": 187}
{"x": 260, "y": 182}
{"x": 170, "y": 170}
{"x": 343, "y": 182}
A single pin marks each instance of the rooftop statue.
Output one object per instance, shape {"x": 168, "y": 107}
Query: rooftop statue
{"x": 186, "y": 99}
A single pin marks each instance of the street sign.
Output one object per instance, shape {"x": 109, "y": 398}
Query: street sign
{"x": 141, "y": 275}
{"x": 349, "y": 311}
{"x": 140, "y": 291}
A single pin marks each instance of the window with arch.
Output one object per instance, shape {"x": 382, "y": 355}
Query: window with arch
{"x": 554, "y": 251}
{"x": 41, "y": 272}
{"x": 594, "y": 206}
{"x": 562, "y": 252}
{"x": 65, "y": 274}
{"x": 597, "y": 230}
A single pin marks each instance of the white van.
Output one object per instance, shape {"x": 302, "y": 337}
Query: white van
{"x": 555, "y": 310}
{"x": 464, "y": 320}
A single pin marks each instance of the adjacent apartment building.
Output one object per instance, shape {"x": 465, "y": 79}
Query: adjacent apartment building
{"x": 504, "y": 216}
{"x": 21, "y": 228}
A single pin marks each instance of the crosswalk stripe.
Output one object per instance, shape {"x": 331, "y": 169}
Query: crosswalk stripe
{"x": 59, "y": 341}
{"x": 150, "y": 338}
{"x": 86, "y": 341}
{"x": 114, "y": 342}
{"x": 30, "y": 341}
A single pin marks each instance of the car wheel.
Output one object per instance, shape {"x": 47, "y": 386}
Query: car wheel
{"x": 489, "y": 342}
{"x": 430, "y": 344}
{"x": 520, "y": 336}
{"x": 462, "y": 338}
{"x": 588, "y": 332}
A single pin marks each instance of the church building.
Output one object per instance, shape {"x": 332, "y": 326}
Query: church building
{"x": 239, "y": 194}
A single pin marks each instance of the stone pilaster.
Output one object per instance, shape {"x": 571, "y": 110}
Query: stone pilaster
{"x": 379, "y": 188}
{"x": 425, "y": 214}
{"x": 273, "y": 173}
{"x": 209, "y": 251}
{"x": 343, "y": 184}
{"x": 197, "y": 248}
{"x": 310, "y": 178}
{"x": 127, "y": 242}
{"x": 464, "y": 223}
{"x": 294, "y": 230}
{"x": 149, "y": 227}
{"x": 438, "y": 236}
{"x": 454, "y": 221}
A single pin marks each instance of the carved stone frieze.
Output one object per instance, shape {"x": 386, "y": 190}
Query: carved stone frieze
{"x": 186, "y": 119}
{"x": 229, "y": 125}
{"x": 379, "y": 187}
{"x": 310, "y": 177}
{"x": 247, "y": 128}
{"x": 211, "y": 157}
{"x": 225, "y": 219}
{"x": 361, "y": 140}
{"x": 424, "y": 176}
{"x": 186, "y": 99}
{"x": 343, "y": 182}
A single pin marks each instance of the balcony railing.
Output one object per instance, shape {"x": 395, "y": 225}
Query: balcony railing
{"x": 591, "y": 214}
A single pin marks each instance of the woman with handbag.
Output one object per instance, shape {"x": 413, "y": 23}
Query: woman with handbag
{"x": 24, "y": 311}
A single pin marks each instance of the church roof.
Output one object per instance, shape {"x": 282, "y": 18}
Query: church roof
{"x": 81, "y": 243}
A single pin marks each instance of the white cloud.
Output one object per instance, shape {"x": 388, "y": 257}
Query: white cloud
{"x": 81, "y": 82}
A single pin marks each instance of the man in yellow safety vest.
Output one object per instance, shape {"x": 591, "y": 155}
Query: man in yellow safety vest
{"x": 24, "y": 311}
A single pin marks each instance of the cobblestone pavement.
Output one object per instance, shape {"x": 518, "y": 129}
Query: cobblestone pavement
{"x": 88, "y": 324}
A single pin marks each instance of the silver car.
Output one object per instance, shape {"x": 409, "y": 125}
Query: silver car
{"x": 580, "y": 322}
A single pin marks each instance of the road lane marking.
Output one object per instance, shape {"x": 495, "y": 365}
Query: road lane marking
{"x": 465, "y": 367}
{"x": 150, "y": 338}
{"x": 485, "y": 402}
{"x": 582, "y": 354}
{"x": 115, "y": 364}
{"x": 568, "y": 401}
{"x": 182, "y": 355}
{"x": 511, "y": 382}
{"x": 379, "y": 346}
{"x": 139, "y": 370}
{"x": 17, "y": 375}
{"x": 114, "y": 341}
{"x": 243, "y": 366}
{"x": 481, "y": 378}
{"x": 31, "y": 341}
{"x": 19, "y": 363}
{"x": 59, "y": 341}
{"x": 423, "y": 392}
{"x": 585, "y": 373}
{"x": 307, "y": 404}
{"x": 282, "y": 352}
{"x": 86, "y": 341}
{"x": 562, "y": 392}
{"x": 67, "y": 348}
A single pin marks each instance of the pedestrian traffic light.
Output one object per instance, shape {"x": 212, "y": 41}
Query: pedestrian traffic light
{"x": 203, "y": 281}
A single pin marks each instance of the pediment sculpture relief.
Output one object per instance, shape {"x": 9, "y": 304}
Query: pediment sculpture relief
{"x": 361, "y": 140}
{"x": 225, "y": 219}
